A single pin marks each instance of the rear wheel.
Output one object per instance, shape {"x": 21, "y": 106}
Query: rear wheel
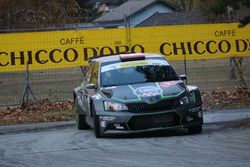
{"x": 96, "y": 123}
{"x": 81, "y": 122}
{"x": 195, "y": 130}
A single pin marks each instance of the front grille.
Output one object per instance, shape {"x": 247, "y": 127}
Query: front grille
{"x": 154, "y": 121}
{"x": 145, "y": 107}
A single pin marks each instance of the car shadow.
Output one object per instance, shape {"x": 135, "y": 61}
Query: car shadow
{"x": 154, "y": 134}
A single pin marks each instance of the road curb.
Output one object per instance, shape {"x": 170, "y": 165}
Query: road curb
{"x": 209, "y": 117}
{"x": 226, "y": 115}
{"x": 35, "y": 127}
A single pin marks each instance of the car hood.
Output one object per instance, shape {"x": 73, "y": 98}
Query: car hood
{"x": 145, "y": 92}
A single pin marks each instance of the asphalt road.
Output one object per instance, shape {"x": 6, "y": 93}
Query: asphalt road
{"x": 220, "y": 144}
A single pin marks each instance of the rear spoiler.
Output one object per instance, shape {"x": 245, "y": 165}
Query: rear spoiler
{"x": 123, "y": 56}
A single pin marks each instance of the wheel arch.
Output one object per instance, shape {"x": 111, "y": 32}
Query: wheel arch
{"x": 195, "y": 93}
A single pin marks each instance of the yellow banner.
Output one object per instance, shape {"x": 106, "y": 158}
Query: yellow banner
{"x": 60, "y": 49}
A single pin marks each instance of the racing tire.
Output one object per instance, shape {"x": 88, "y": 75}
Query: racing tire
{"x": 80, "y": 120}
{"x": 96, "y": 123}
{"x": 195, "y": 130}
{"x": 81, "y": 123}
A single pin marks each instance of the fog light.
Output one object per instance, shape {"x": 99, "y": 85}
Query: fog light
{"x": 189, "y": 119}
{"x": 118, "y": 126}
{"x": 195, "y": 109}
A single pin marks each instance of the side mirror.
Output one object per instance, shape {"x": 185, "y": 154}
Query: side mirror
{"x": 91, "y": 86}
{"x": 183, "y": 77}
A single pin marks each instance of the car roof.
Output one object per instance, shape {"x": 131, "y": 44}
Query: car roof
{"x": 109, "y": 58}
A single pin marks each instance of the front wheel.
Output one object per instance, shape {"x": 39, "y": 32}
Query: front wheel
{"x": 195, "y": 130}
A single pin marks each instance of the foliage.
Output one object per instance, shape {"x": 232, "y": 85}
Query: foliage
{"x": 221, "y": 7}
{"x": 187, "y": 5}
{"x": 216, "y": 10}
{"x": 87, "y": 11}
{"x": 22, "y": 14}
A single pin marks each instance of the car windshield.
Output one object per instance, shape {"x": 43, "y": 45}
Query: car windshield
{"x": 137, "y": 74}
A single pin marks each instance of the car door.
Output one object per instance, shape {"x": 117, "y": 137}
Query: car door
{"x": 91, "y": 79}
{"x": 86, "y": 81}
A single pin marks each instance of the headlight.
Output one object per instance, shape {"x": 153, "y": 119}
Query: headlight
{"x": 185, "y": 100}
{"x": 112, "y": 106}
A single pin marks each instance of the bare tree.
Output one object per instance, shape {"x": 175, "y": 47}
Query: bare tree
{"x": 19, "y": 14}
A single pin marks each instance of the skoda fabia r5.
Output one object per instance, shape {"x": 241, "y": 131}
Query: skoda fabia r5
{"x": 132, "y": 93}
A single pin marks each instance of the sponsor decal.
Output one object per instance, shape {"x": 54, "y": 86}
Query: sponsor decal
{"x": 147, "y": 91}
{"x": 168, "y": 83}
{"x": 103, "y": 124}
{"x": 132, "y": 64}
{"x": 107, "y": 118}
{"x": 62, "y": 49}
{"x": 149, "y": 94}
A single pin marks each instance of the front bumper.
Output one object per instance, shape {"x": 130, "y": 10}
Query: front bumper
{"x": 127, "y": 123}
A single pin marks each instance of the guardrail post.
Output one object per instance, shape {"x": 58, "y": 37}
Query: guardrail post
{"x": 27, "y": 90}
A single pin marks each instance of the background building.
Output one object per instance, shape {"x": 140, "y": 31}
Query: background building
{"x": 134, "y": 12}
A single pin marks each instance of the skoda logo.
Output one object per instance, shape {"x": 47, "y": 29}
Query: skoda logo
{"x": 152, "y": 100}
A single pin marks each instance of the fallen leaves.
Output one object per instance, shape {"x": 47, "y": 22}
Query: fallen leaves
{"x": 219, "y": 99}
{"x": 42, "y": 111}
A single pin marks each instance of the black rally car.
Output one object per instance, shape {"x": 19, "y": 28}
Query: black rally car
{"x": 135, "y": 93}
